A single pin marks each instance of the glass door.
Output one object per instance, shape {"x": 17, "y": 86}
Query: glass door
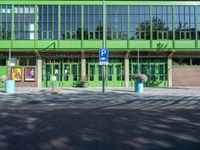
{"x": 94, "y": 75}
{"x": 70, "y": 74}
{"x": 66, "y": 75}
{"x": 155, "y": 71}
{"x": 110, "y": 75}
{"x": 53, "y": 72}
{"x": 119, "y": 75}
{"x": 115, "y": 75}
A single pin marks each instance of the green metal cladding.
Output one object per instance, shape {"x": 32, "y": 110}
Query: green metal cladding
{"x": 149, "y": 35}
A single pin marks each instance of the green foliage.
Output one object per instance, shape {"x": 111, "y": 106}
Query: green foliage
{"x": 142, "y": 77}
{"x": 77, "y": 84}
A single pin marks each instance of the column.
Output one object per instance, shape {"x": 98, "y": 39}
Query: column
{"x": 83, "y": 64}
{"x": 39, "y": 72}
{"x": 169, "y": 65}
{"x": 126, "y": 69}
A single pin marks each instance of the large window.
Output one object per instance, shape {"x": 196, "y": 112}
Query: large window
{"x": 5, "y": 22}
{"x": 117, "y": 22}
{"x": 24, "y": 22}
{"x": 93, "y": 22}
{"x": 2, "y": 62}
{"x": 27, "y": 61}
{"x": 139, "y": 22}
{"x": 162, "y": 22}
{"x": 48, "y": 22}
{"x": 184, "y": 23}
{"x": 70, "y": 22}
{"x": 198, "y": 22}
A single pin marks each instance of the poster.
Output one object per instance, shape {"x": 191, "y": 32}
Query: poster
{"x": 17, "y": 73}
{"x": 29, "y": 74}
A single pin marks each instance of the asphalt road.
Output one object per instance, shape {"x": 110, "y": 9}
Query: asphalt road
{"x": 89, "y": 120}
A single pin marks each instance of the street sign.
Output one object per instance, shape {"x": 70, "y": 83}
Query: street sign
{"x": 103, "y": 56}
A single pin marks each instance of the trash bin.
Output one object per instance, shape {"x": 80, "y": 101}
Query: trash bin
{"x": 10, "y": 86}
{"x": 139, "y": 86}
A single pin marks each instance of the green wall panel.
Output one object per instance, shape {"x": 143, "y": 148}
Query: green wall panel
{"x": 46, "y": 44}
{"x": 108, "y": 2}
{"x": 5, "y": 44}
{"x": 92, "y": 44}
{"x": 198, "y": 44}
{"x": 185, "y": 44}
{"x": 23, "y": 44}
{"x": 162, "y": 44}
{"x": 116, "y": 44}
{"x": 139, "y": 44}
{"x": 3, "y": 71}
{"x": 70, "y": 44}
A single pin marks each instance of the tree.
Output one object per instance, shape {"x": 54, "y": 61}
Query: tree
{"x": 158, "y": 25}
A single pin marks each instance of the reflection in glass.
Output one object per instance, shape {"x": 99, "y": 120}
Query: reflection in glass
{"x": 117, "y": 20}
{"x": 48, "y": 21}
{"x": 92, "y": 72}
{"x": 74, "y": 72}
{"x": 71, "y": 22}
{"x": 66, "y": 72}
{"x": 118, "y": 72}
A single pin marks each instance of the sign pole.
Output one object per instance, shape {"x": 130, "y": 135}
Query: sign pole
{"x": 103, "y": 46}
{"x": 9, "y": 71}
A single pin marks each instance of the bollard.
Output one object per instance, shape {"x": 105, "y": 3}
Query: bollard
{"x": 139, "y": 86}
{"x": 10, "y": 86}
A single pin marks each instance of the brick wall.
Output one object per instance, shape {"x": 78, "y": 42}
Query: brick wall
{"x": 186, "y": 76}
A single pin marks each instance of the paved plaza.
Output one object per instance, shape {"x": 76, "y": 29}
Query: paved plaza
{"x": 87, "y": 119}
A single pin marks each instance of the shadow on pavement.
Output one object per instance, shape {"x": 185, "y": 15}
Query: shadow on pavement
{"x": 99, "y": 129}
{"x": 93, "y": 121}
{"x": 106, "y": 100}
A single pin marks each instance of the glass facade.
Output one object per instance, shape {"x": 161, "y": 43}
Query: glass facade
{"x": 5, "y": 22}
{"x": 24, "y": 22}
{"x": 198, "y": 22}
{"x": 93, "y": 22}
{"x": 139, "y": 23}
{"x": 48, "y": 22}
{"x": 70, "y": 22}
{"x": 117, "y": 22}
{"x": 84, "y": 22}
{"x": 162, "y": 22}
{"x": 184, "y": 22}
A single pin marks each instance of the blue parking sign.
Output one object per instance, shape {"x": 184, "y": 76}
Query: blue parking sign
{"x": 103, "y": 56}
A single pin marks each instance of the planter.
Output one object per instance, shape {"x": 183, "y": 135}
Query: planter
{"x": 84, "y": 84}
{"x": 139, "y": 86}
{"x": 10, "y": 86}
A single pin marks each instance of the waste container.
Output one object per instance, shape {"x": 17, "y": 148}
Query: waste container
{"x": 10, "y": 86}
{"x": 139, "y": 86}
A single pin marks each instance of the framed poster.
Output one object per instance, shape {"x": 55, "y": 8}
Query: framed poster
{"x": 17, "y": 73}
{"x": 29, "y": 74}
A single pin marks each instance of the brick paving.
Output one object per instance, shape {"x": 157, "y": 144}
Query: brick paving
{"x": 86, "y": 119}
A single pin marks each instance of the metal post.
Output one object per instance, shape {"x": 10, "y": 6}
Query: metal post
{"x": 103, "y": 46}
{"x": 138, "y": 61}
{"x": 9, "y": 71}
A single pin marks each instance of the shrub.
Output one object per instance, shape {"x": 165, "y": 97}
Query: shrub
{"x": 142, "y": 77}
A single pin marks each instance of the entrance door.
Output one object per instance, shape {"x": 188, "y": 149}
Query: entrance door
{"x": 115, "y": 75}
{"x": 66, "y": 75}
{"x": 75, "y": 74}
{"x": 156, "y": 73}
{"x": 94, "y": 75}
{"x": 70, "y": 74}
{"x": 53, "y": 70}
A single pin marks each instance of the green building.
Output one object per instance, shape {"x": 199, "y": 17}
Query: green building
{"x": 62, "y": 38}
